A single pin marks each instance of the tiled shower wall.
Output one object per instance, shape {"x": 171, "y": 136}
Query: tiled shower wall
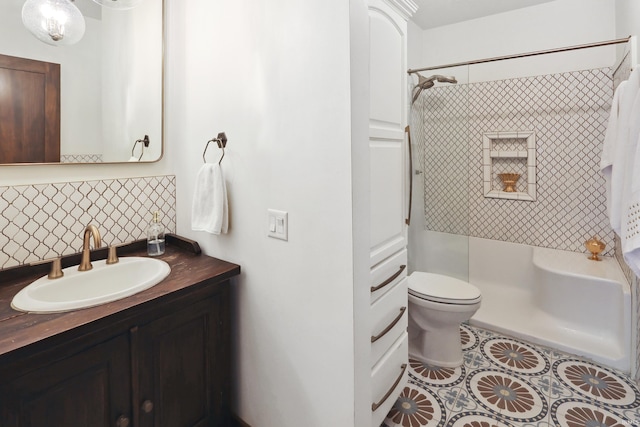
{"x": 441, "y": 124}
{"x": 48, "y": 220}
{"x": 568, "y": 113}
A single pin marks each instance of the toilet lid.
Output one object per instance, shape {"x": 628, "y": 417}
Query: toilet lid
{"x": 439, "y": 288}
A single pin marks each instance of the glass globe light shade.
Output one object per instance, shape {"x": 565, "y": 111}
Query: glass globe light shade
{"x": 55, "y": 22}
{"x": 119, "y": 4}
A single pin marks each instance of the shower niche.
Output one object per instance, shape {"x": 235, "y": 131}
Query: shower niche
{"x": 509, "y": 165}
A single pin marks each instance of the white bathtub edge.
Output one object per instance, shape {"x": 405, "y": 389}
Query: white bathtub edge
{"x": 575, "y": 264}
{"x": 506, "y": 274}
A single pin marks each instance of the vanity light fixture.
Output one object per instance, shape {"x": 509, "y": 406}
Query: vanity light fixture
{"x": 55, "y": 22}
{"x": 119, "y": 4}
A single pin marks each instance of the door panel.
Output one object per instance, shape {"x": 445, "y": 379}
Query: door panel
{"x": 29, "y": 111}
{"x": 387, "y": 34}
{"x": 181, "y": 372}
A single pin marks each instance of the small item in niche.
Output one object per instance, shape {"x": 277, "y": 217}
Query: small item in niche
{"x": 155, "y": 236}
{"x": 509, "y": 181}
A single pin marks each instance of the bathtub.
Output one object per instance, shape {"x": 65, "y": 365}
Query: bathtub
{"x": 553, "y": 298}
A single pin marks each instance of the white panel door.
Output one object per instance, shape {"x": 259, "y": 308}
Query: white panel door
{"x": 387, "y": 72}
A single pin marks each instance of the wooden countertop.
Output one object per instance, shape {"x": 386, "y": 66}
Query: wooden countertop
{"x": 189, "y": 269}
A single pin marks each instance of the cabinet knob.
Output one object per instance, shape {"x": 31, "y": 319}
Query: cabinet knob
{"x": 147, "y": 406}
{"x": 122, "y": 421}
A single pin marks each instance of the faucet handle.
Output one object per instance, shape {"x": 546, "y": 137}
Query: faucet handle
{"x": 56, "y": 267}
{"x": 112, "y": 255}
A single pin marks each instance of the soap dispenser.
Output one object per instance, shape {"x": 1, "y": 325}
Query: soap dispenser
{"x": 155, "y": 236}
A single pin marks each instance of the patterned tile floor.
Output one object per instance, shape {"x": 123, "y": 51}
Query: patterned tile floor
{"x": 506, "y": 382}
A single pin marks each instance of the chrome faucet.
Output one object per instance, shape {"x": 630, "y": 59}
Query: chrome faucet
{"x": 85, "y": 261}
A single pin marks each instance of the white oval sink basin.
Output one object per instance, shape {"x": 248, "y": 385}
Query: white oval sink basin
{"x": 81, "y": 289}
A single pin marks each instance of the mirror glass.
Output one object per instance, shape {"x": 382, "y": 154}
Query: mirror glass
{"x": 111, "y": 83}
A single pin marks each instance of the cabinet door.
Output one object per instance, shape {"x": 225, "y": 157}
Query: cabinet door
{"x": 91, "y": 388}
{"x": 387, "y": 118}
{"x": 182, "y": 364}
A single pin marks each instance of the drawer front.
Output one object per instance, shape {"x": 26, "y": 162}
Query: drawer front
{"x": 389, "y": 319}
{"x": 388, "y": 378}
{"x": 388, "y": 273}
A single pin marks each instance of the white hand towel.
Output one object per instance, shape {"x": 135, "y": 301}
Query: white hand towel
{"x": 210, "y": 209}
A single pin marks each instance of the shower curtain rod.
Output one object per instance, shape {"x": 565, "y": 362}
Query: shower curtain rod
{"x": 524, "y": 55}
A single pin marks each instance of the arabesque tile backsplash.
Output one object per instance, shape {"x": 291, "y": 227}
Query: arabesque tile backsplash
{"x": 44, "y": 221}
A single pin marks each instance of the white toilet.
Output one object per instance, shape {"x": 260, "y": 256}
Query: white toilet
{"x": 437, "y": 306}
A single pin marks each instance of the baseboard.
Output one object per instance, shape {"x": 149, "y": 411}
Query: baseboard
{"x": 236, "y": 421}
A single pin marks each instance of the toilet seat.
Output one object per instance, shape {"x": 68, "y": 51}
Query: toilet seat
{"x": 442, "y": 289}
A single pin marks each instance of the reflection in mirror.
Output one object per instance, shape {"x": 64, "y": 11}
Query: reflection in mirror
{"x": 110, "y": 88}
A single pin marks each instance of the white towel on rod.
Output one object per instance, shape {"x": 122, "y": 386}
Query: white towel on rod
{"x": 610, "y": 143}
{"x": 630, "y": 237}
{"x": 210, "y": 210}
{"x": 623, "y": 146}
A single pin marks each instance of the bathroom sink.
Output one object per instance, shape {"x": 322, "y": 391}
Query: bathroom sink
{"x": 81, "y": 289}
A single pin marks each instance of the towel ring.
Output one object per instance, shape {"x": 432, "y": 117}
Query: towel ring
{"x": 143, "y": 143}
{"x": 221, "y": 140}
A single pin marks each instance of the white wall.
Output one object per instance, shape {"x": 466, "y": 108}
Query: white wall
{"x": 549, "y": 25}
{"x": 552, "y": 25}
{"x": 414, "y": 45}
{"x": 628, "y": 19}
{"x": 275, "y": 77}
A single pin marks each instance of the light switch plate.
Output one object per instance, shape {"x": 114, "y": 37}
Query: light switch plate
{"x": 277, "y": 224}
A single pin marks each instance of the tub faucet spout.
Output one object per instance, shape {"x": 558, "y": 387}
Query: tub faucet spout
{"x": 85, "y": 261}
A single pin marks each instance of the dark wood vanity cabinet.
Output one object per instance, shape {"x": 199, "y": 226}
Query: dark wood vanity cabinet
{"x": 181, "y": 371}
{"x": 169, "y": 372}
{"x": 91, "y": 388}
{"x": 161, "y": 363}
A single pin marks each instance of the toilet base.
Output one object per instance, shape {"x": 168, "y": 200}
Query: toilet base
{"x": 441, "y": 348}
